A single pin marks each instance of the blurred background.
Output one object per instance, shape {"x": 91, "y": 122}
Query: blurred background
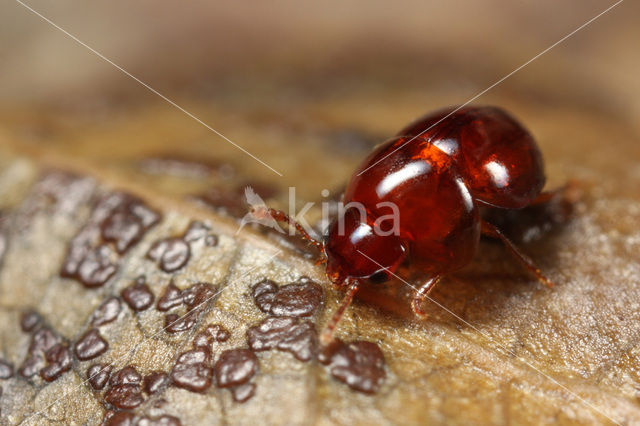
{"x": 282, "y": 50}
{"x": 309, "y": 87}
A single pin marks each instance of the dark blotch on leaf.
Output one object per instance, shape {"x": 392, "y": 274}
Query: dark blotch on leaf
{"x": 127, "y": 375}
{"x": 171, "y": 298}
{"x": 235, "y": 367}
{"x": 118, "y": 418}
{"x": 263, "y": 294}
{"x": 286, "y": 334}
{"x": 212, "y": 333}
{"x": 125, "y": 392}
{"x": 360, "y": 364}
{"x": 59, "y": 361}
{"x": 155, "y": 381}
{"x": 174, "y": 323}
{"x": 196, "y": 295}
{"x": 107, "y": 312}
{"x": 138, "y": 296}
{"x": 196, "y": 231}
{"x": 127, "y": 221}
{"x": 170, "y": 254}
{"x": 92, "y": 266}
{"x": 125, "y": 396}
{"x": 119, "y": 219}
{"x": 244, "y": 392}
{"x": 193, "y": 370}
{"x": 98, "y": 375}
{"x": 29, "y": 320}
{"x": 90, "y": 345}
{"x": 299, "y": 299}
{"x": 41, "y": 341}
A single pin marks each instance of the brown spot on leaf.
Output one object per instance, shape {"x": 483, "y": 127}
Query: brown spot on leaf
{"x": 196, "y": 231}
{"x": 199, "y": 231}
{"x": 171, "y": 254}
{"x": 263, "y": 294}
{"x": 196, "y": 295}
{"x": 155, "y": 381}
{"x": 138, "y": 295}
{"x": 92, "y": 266}
{"x": 107, "y": 312}
{"x": 301, "y": 299}
{"x": 174, "y": 323}
{"x": 218, "y": 332}
{"x": 286, "y": 334}
{"x": 118, "y": 418}
{"x": 59, "y": 361}
{"x": 124, "y": 391}
{"x": 193, "y": 370}
{"x": 235, "y": 367}
{"x": 126, "y": 396}
{"x": 211, "y": 240}
{"x": 127, "y": 222}
{"x": 98, "y": 375}
{"x": 29, "y": 320}
{"x": 193, "y": 297}
{"x": 243, "y": 392}
{"x": 41, "y": 341}
{"x": 90, "y": 345}
{"x": 119, "y": 219}
{"x": 171, "y": 298}
{"x": 127, "y": 375}
{"x": 297, "y": 300}
{"x": 359, "y": 364}
{"x": 211, "y": 333}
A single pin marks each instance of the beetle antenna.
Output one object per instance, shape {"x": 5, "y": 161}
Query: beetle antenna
{"x": 281, "y": 216}
{"x": 327, "y": 333}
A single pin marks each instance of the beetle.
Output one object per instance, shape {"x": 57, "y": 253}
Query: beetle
{"x": 438, "y": 172}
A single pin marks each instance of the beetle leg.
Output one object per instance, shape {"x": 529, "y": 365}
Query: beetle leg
{"x": 491, "y": 231}
{"x": 327, "y": 333}
{"x": 421, "y": 294}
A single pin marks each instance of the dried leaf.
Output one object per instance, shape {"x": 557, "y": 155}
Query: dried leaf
{"x": 518, "y": 351}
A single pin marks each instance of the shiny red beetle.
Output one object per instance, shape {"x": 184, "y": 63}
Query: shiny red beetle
{"x": 438, "y": 171}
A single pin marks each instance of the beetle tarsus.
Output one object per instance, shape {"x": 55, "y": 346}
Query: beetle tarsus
{"x": 421, "y": 294}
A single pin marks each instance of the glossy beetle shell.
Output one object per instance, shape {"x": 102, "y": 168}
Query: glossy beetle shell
{"x": 496, "y": 155}
{"x": 437, "y": 177}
